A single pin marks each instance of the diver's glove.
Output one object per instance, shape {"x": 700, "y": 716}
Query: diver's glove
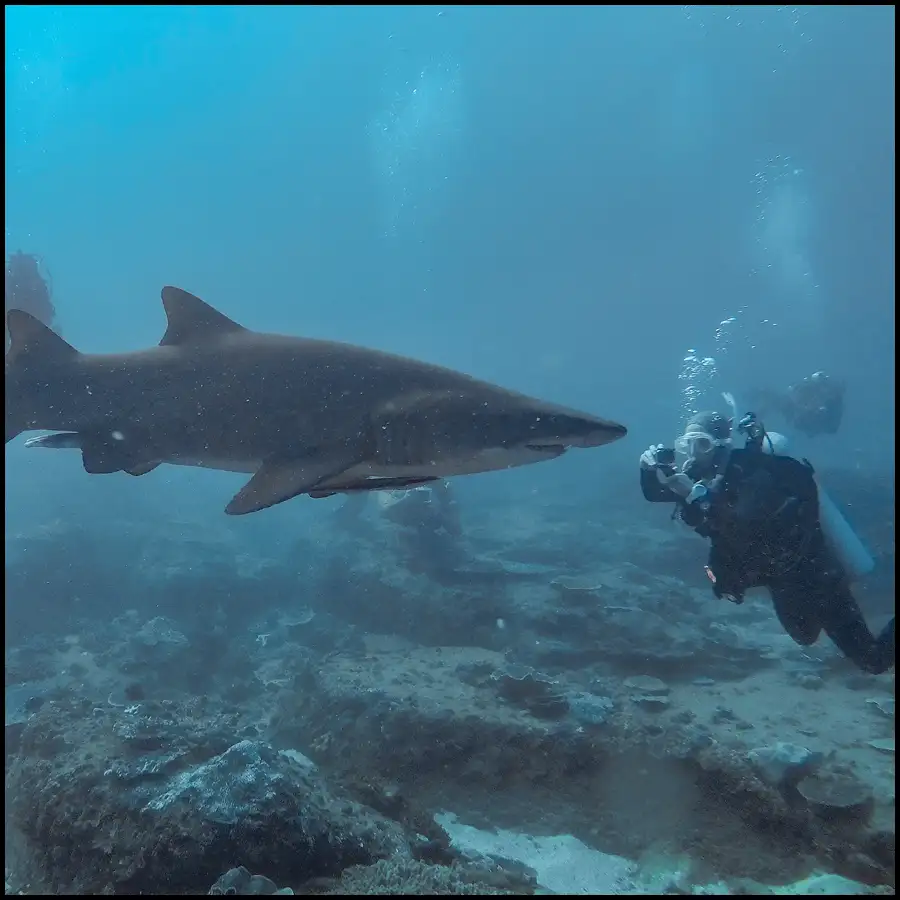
{"x": 649, "y": 458}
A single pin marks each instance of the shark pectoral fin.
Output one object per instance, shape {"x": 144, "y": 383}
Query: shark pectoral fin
{"x": 191, "y": 321}
{"x": 277, "y": 481}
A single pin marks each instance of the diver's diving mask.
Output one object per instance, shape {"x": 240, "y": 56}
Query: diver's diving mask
{"x": 699, "y": 444}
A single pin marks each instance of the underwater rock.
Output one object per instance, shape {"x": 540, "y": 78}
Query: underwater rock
{"x": 532, "y": 691}
{"x": 561, "y": 863}
{"x": 883, "y": 705}
{"x": 406, "y": 877}
{"x": 21, "y": 700}
{"x": 378, "y": 594}
{"x": 651, "y": 702}
{"x": 824, "y": 884}
{"x": 837, "y": 796}
{"x": 589, "y": 709}
{"x": 240, "y": 882}
{"x": 783, "y": 763}
{"x": 883, "y": 745}
{"x": 165, "y": 801}
{"x": 647, "y": 685}
{"x": 159, "y": 640}
{"x": 810, "y": 682}
{"x": 614, "y": 614}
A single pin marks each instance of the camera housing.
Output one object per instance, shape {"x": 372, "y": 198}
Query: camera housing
{"x": 665, "y": 456}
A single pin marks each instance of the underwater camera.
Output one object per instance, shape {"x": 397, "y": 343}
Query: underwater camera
{"x": 665, "y": 456}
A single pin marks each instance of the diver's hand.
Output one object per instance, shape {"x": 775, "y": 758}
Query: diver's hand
{"x": 679, "y": 483}
{"x": 648, "y": 457}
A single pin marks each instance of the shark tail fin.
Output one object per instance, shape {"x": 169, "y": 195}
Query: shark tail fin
{"x": 33, "y": 349}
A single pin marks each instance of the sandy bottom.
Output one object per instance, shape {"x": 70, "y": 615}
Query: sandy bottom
{"x": 562, "y": 864}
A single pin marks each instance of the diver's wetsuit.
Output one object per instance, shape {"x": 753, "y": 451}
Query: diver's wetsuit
{"x": 763, "y": 524}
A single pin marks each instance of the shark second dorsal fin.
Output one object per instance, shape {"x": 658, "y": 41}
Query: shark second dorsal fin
{"x": 31, "y": 339}
{"x": 192, "y": 321}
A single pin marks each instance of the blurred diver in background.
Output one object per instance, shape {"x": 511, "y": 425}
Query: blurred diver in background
{"x": 430, "y": 506}
{"x": 428, "y": 522}
{"x": 426, "y": 519}
{"x": 813, "y": 406}
{"x": 27, "y": 289}
{"x": 769, "y": 525}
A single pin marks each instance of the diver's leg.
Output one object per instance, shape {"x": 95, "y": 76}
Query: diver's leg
{"x": 844, "y": 623}
{"x": 799, "y": 612}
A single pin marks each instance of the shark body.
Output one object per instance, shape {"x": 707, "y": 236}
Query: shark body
{"x": 302, "y": 416}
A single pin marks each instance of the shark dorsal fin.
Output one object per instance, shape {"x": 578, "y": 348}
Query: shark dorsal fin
{"x": 31, "y": 338}
{"x": 191, "y": 321}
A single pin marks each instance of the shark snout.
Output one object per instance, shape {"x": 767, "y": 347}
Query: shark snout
{"x": 575, "y": 431}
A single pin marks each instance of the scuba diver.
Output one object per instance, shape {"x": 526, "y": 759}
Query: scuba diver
{"x": 764, "y": 515}
{"x": 27, "y": 289}
{"x": 813, "y": 406}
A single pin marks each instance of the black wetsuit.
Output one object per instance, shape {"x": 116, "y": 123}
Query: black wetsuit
{"x": 763, "y": 524}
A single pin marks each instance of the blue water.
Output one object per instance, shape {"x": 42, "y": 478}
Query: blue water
{"x": 626, "y": 210}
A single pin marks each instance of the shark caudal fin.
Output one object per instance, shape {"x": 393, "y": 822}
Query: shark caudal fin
{"x": 33, "y": 349}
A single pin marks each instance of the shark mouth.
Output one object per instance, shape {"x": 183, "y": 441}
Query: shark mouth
{"x": 558, "y": 449}
{"x": 534, "y": 452}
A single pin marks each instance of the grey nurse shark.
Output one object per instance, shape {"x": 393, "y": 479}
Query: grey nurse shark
{"x": 302, "y": 416}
